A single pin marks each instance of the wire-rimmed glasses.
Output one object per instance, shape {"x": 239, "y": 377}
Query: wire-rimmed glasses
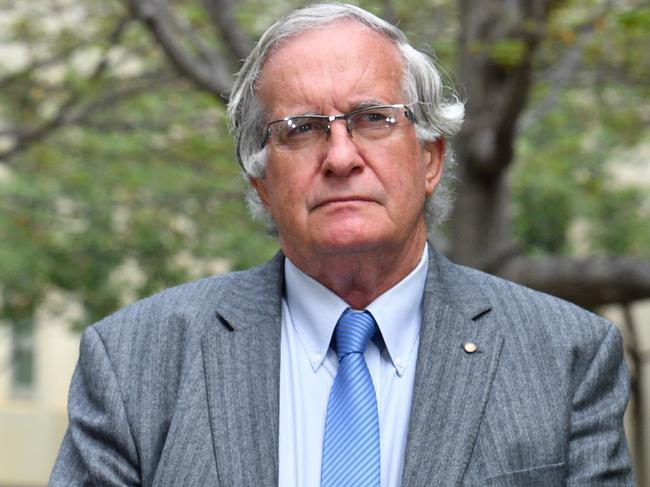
{"x": 303, "y": 132}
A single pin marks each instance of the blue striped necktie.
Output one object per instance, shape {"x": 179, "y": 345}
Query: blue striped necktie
{"x": 351, "y": 442}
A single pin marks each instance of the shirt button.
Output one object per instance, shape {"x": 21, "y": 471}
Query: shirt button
{"x": 316, "y": 357}
{"x": 399, "y": 363}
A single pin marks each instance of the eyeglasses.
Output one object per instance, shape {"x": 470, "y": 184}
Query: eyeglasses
{"x": 307, "y": 131}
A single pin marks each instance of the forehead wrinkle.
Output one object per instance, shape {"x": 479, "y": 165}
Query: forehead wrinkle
{"x": 350, "y": 86}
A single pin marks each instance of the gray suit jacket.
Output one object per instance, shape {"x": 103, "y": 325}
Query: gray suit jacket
{"x": 181, "y": 389}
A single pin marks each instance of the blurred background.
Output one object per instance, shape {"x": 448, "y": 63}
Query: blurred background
{"x": 118, "y": 177}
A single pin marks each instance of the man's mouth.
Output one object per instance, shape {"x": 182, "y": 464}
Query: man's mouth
{"x": 342, "y": 200}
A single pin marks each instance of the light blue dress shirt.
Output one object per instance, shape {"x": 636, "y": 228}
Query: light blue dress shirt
{"x": 308, "y": 366}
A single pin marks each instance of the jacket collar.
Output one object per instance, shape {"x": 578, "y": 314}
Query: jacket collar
{"x": 252, "y": 298}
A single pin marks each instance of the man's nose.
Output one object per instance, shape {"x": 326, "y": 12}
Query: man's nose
{"x": 342, "y": 156}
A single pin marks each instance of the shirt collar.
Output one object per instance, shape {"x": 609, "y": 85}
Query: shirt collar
{"x": 315, "y": 310}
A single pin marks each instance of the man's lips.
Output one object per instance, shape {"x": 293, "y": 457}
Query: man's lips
{"x": 342, "y": 200}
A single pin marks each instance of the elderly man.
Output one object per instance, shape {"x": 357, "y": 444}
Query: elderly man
{"x": 358, "y": 356}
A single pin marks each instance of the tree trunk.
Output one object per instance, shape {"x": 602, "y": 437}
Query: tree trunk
{"x": 497, "y": 42}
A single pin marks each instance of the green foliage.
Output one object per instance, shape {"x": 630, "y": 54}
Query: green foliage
{"x": 508, "y": 52}
{"x": 143, "y": 183}
{"x": 622, "y": 222}
{"x": 568, "y": 160}
{"x": 635, "y": 21}
{"x": 543, "y": 210}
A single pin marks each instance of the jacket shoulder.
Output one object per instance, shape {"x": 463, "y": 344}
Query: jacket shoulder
{"x": 529, "y": 311}
{"x": 190, "y": 305}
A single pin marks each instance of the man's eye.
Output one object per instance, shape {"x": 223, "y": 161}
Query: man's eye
{"x": 373, "y": 120}
{"x": 374, "y": 117}
{"x": 301, "y": 128}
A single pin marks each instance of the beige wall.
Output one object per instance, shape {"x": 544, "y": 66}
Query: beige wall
{"x": 32, "y": 426}
{"x": 638, "y": 433}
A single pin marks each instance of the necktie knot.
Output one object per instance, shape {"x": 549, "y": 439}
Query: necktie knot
{"x": 353, "y": 331}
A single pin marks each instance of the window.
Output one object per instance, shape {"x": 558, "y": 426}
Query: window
{"x": 22, "y": 362}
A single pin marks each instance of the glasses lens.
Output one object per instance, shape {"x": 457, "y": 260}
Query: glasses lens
{"x": 376, "y": 122}
{"x": 298, "y": 132}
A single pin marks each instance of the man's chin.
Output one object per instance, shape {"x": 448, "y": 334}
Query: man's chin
{"x": 348, "y": 243}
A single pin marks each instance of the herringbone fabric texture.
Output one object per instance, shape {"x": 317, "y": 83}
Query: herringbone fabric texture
{"x": 351, "y": 442}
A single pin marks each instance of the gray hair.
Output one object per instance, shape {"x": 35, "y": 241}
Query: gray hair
{"x": 422, "y": 86}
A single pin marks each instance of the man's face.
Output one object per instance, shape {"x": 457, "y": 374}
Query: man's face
{"x": 343, "y": 196}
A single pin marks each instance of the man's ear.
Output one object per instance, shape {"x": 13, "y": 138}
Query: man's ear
{"x": 434, "y": 154}
{"x": 259, "y": 184}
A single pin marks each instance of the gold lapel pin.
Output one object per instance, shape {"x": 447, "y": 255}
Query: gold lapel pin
{"x": 470, "y": 347}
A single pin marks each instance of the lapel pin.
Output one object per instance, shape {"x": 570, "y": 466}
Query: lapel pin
{"x": 470, "y": 347}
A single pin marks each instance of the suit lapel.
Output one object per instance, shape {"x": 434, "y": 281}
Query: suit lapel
{"x": 451, "y": 385}
{"x": 241, "y": 356}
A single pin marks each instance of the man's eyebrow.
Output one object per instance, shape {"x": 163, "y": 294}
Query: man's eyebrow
{"x": 297, "y": 115}
{"x": 366, "y": 104}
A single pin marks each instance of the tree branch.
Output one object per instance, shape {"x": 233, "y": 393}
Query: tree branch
{"x": 123, "y": 126}
{"x": 184, "y": 30}
{"x": 114, "y": 38}
{"x": 38, "y": 64}
{"x": 222, "y": 16}
{"x": 557, "y": 81}
{"x": 25, "y": 138}
{"x": 69, "y": 114}
{"x": 210, "y": 73}
{"x": 110, "y": 99}
{"x": 497, "y": 44}
{"x": 562, "y": 72}
{"x": 589, "y": 282}
{"x": 65, "y": 113}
